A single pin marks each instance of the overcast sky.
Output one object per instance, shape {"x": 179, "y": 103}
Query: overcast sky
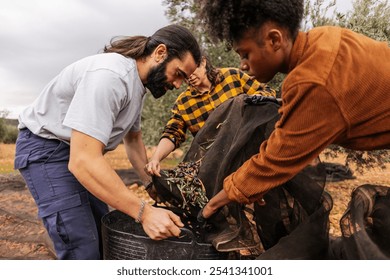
{"x": 40, "y": 37}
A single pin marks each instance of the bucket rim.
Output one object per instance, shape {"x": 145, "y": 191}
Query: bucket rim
{"x": 188, "y": 232}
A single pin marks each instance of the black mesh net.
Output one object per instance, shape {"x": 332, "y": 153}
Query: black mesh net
{"x": 365, "y": 226}
{"x": 294, "y": 223}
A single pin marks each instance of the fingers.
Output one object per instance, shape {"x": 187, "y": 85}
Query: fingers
{"x": 153, "y": 168}
{"x": 207, "y": 211}
{"x": 200, "y": 218}
{"x": 164, "y": 233}
{"x": 176, "y": 220}
{"x": 261, "y": 202}
{"x": 160, "y": 224}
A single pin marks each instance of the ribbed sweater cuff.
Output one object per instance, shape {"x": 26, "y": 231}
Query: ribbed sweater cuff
{"x": 235, "y": 194}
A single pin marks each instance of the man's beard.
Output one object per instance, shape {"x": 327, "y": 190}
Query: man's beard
{"x": 157, "y": 80}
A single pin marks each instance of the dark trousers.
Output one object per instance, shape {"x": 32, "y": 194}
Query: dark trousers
{"x": 71, "y": 215}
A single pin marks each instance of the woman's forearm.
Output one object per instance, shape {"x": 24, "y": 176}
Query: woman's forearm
{"x": 164, "y": 148}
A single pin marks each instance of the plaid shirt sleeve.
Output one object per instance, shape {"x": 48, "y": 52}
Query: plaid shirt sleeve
{"x": 175, "y": 129}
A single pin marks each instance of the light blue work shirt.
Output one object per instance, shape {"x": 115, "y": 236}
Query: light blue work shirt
{"x": 100, "y": 95}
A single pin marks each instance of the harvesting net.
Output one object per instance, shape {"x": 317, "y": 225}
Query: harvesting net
{"x": 294, "y": 223}
{"x": 365, "y": 226}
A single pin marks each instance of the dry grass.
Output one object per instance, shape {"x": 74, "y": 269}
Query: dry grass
{"x": 7, "y": 154}
{"x": 116, "y": 158}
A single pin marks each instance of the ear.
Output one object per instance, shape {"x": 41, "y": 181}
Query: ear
{"x": 160, "y": 53}
{"x": 275, "y": 38}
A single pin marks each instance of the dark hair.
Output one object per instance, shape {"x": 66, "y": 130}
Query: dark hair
{"x": 229, "y": 20}
{"x": 176, "y": 38}
{"x": 211, "y": 71}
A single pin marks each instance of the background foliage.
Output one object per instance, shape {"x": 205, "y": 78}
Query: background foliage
{"x": 8, "y": 130}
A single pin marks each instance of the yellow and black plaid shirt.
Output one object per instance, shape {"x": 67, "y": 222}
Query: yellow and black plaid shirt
{"x": 192, "y": 108}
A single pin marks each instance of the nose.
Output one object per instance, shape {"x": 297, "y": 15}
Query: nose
{"x": 244, "y": 66}
{"x": 177, "y": 83}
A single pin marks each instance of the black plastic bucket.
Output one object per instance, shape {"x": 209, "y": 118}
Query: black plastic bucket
{"x": 124, "y": 239}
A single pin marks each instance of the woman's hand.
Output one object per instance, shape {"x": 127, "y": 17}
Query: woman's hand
{"x": 153, "y": 168}
{"x": 164, "y": 148}
{"x": 218, "y": 201}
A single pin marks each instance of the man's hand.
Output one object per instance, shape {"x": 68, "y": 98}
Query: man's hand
{"x": 160, "y": 223}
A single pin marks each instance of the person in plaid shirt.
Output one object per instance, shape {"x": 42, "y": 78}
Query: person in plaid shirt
{"x": 208, "y": 88}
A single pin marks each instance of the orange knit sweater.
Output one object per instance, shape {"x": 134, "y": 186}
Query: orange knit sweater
{"x": 337, "y": 91}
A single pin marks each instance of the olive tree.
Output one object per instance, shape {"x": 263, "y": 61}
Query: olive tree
{"x": 8, "y": 132}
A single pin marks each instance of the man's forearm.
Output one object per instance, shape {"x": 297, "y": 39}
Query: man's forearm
{"x": 98, "y": 177}
{"x": 136, "y": 153}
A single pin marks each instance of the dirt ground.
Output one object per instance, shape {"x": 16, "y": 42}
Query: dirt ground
{"x": 22, "y": 235}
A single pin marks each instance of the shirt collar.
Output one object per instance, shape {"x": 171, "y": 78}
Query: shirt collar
{"x": 195, "y": 92}
{"x": 297, "y": 50}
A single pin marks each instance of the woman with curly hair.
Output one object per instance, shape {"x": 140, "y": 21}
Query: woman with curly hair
{"x": 336, "y": 90}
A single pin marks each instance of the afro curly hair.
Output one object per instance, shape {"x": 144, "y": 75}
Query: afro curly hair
{"x": 228, "y": 20}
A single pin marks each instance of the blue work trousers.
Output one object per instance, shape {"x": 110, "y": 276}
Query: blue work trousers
{"x": 71, "y": 215}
